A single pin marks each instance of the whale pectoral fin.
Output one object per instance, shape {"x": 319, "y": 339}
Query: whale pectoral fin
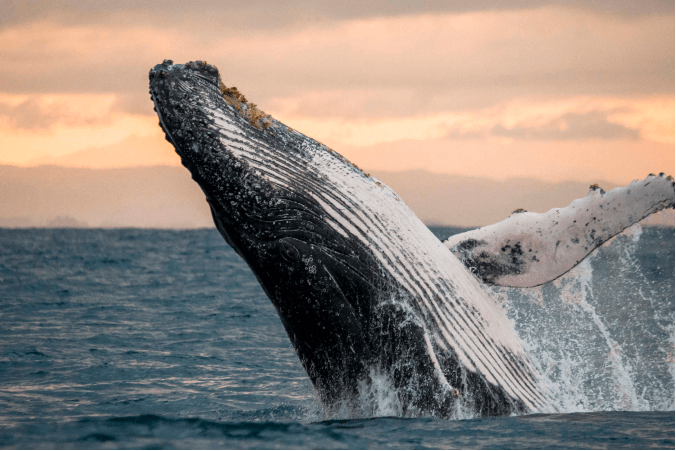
{"x": 530, "y": 249}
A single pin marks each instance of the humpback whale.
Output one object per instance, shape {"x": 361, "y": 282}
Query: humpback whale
{"x": 365, "y": 292}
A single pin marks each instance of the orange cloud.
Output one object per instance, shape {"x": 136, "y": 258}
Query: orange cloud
{"x": 548, "y": 50}
{"x": 595, "y": 118}
{"x": 66, "y": 123}
{"x": 499, "y": 159}
{"x": 133, "y": 151}
{"x": 524, "y": 92}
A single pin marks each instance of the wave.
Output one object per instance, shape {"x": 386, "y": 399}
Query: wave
{"x": 578, "y": 430}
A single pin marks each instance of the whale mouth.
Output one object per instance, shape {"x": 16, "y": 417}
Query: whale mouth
{"x": 163, "y": 125}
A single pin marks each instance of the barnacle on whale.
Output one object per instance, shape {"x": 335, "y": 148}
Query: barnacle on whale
{"x": 256, "y": 117}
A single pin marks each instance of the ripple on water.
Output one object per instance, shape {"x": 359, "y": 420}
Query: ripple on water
{"x": 159, "y": 338}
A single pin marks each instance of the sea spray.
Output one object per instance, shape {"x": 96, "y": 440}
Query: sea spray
{"x": 602, "y": 335}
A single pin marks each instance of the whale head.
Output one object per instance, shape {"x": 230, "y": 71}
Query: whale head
{"x": 181, "y": 93}
{"x": 264, "y": 190}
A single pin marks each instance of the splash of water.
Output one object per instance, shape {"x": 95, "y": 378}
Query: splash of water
{"x": 602, "y": 336}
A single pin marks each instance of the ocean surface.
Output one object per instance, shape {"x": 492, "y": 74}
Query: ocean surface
{"x": 137, "y": 338}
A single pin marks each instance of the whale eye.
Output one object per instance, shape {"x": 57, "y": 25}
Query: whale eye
{"x": 288, "y": 252}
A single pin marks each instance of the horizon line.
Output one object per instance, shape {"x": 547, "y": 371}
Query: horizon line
{"x": 370, "y": 170}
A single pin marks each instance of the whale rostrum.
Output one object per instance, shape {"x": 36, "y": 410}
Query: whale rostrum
{"x": 366, "y": 293}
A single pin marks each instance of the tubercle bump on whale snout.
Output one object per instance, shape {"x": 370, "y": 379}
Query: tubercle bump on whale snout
{"x": 202, "y": 69}
{"x": 160, "y": 69}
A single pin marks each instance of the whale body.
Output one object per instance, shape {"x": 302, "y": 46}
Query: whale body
{"x": 364, "y": 290}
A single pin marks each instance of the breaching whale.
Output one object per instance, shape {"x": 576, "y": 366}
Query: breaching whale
{"x": 364, "y": 290}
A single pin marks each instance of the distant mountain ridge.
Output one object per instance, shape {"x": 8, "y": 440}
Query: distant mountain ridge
{"x": 167, "y": 197}
{"x": 476, "y": 201}
{"x": 155, "y": 196}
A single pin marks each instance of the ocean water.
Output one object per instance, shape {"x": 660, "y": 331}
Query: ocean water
{"x": 135, "y": 338}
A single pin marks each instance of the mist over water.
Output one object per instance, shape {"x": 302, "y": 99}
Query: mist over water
{"x": 163, "y": 338}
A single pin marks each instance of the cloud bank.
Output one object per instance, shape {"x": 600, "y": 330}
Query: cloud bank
{"x": 435, "y": 82}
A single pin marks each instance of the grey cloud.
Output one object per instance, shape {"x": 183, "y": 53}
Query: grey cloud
{"x": 462, "y": 135}
{"x": 592, "y": 125}
{"x": 576, "y": 63}
{"x": 270, "y": 14}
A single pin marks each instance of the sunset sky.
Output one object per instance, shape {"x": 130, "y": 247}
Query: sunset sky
{"x": 567, "y": 90}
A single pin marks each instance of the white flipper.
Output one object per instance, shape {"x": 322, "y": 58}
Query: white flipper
{"x": 529, "y": 249}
